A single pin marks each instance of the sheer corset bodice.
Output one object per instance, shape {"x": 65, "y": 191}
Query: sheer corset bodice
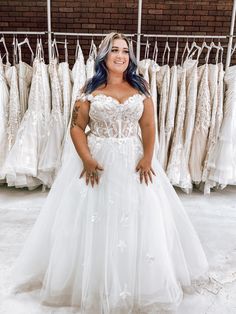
{"x": 111, "y": 119}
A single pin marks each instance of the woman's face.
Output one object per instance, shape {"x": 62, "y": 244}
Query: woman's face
{"x": 117, "y": 59}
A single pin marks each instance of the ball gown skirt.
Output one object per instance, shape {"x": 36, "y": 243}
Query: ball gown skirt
{"x": 118, "y": 247}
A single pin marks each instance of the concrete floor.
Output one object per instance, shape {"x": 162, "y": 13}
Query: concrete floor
{"x": 213, "y": 216}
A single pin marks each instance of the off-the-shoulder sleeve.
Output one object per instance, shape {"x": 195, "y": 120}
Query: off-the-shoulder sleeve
{"x": 85, "y": 97}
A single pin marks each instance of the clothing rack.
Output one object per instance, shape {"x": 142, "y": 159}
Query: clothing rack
{"x": 139, "y": 34}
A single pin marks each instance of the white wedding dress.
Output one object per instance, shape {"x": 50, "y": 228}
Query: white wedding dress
{"x": 121, "y": 246}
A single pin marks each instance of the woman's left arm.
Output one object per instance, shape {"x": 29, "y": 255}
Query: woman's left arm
{"x": 147, "y": 125}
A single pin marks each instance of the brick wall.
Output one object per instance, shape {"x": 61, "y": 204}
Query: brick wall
{"x": 163, "y": 16}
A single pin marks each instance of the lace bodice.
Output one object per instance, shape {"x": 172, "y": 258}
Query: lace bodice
{"x": 109, "y": 118}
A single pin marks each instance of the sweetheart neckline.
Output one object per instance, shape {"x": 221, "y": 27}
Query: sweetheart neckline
{"x": 113, "y": 98}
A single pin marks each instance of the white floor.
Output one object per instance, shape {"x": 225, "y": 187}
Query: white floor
{"x": 214, "y": 217}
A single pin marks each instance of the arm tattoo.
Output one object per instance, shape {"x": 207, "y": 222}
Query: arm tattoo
{"x": 75, "y": 113}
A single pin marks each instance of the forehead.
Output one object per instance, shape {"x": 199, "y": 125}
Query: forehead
{"x": 121, "y": 43}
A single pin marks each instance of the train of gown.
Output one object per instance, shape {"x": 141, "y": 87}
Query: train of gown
{"x": 121, "y": 246}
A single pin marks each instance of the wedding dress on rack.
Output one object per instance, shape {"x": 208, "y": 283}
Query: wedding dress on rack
{"x": 21, "y": 166}
{"x": 222, "y": 163}
{"x": 100, "y": 249}
{"x": 202, "y": 122}
{"x": 163, "y": 84}
{"x": 171, "y": 107}
{"x": 64, "y": 73}
{"x": 177, "y": 155}
{"x": 216, "y": 74}
{"x": 14, "y": 111}
{"x": 4, "y": 100}
{"x": 191, "y": 66}
{"x": 25, "y": 73}
{"x": 49, "y": 159}
{"x": 91, "y": 60}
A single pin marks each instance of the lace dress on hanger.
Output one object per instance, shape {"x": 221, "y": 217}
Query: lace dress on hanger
{"x": 202, "y": 124}
{"x": 4, "y": 102}
{"x": 223, "y": 161}
{"x": 14, "y": 115}
{"x": 91, "y": 61}
{"x": 191, "y": 96}
{"x": 21, "y": 166}
{"x": 177, "y": 155}
{"x": 163, "y": 82}
{"x": 153, "y": 69}
{"x": 213, "y": 71}
{"x": 171, "y": 110}
{"x": 101, "y": 250}
{"x": 25, "y": 73}
{"x": 49, "y": 160}
{"x": 78, "y": 76}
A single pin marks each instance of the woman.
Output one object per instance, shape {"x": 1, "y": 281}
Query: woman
{"x": 113, "y": 236}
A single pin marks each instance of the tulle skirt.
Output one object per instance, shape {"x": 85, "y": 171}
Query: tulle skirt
{"x": 119, "y": 247}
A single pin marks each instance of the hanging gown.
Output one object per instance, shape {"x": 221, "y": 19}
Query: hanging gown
{"x": 64, "y": 73}
{"x": 78, "y": 76}
{"x": 91, "y": 61}
{"x": 163, "y": 82}
{"x": 14, "y": 115}
{"x": 171, "y": 110}
{"x": 25, "y": 73}
{"x": 153, "y": 69}
{"x": 4, "y": 101}
{"x": 49, "y": 160}
{"x": 191, "y": 97}
{"x": 223, "y": 160}
{"x": 21, "y": 166}
{"x": 201, "y": 126}
{"x": 213, "y": 71}
{"x": 177, "y": 155}
{"x": 143, "y": 68}
{"x": 100, "y": 249}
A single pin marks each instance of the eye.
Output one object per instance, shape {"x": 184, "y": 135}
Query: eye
{"x": 114, "y": 49}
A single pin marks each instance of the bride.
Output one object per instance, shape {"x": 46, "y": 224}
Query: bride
{"x": 113, "y": 236}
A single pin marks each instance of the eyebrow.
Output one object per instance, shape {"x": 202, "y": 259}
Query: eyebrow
{"x": 122, "y": 48}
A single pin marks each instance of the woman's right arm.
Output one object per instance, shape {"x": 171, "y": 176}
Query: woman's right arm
{"x": 80, "y": 119}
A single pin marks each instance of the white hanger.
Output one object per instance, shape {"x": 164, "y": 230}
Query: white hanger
{"x": 176, "y": 51}
{"x": 209, "y": 47}
{"x": 186, "y": 48}
{"x": 2, "y": 40}
{"x": 192, "y": 52}
{"x": 219, "y": 49}
{"x": 167, "y": 49}
{"x": 146, "y": 54}
{"x": 155, "y": 52}
{"x": 25, "y": 41}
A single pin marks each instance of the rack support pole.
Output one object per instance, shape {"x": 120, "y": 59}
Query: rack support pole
{"x": 49, "y": 30}
{"x": 228, "y": 58}
{"x": 139, "y": 30}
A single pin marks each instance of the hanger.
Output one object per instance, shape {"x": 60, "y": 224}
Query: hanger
{"x": 219, "y": 49}
{"x": 186, "y": 48}
{"x": 14, "y": 44}
{"x": 66, "y": 50}
{"x": 167, "y": 49}
{"x": 192, "y": 52}
{"x": 147, "y": 47}
{"x": 2, "y": 40}
{"x": 39, "y": 49}
{"x": 176, "y": 51}
{"x": 204, "y": 45}
{"x": 55, "y": 53}
{"x": 155, "y": 52}
{"x": 25, "y": 41}
{"x": 93, "y": 50}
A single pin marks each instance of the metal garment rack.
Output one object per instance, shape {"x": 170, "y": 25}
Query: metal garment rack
{"x": 139, "y": 33}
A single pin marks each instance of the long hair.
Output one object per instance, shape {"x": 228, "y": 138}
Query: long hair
{"x": 100, "y": 76}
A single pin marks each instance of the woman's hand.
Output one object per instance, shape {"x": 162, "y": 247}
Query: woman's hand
{"x": 145, "y": 170}
{"x": 91, "y": 168}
